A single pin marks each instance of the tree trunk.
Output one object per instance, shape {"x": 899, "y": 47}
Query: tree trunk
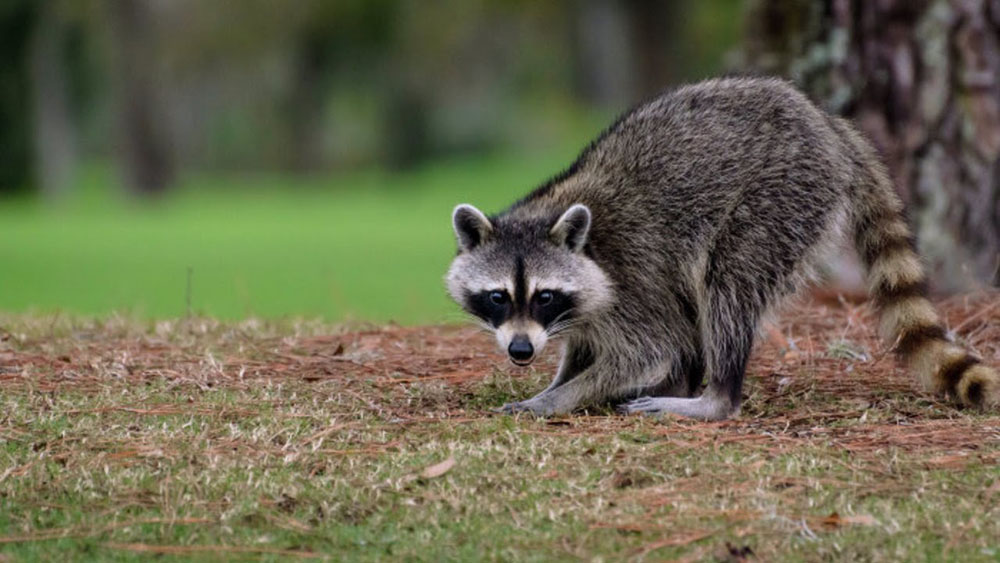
{"x": 655, "y": 29}
{"x": 55, "y": 128}
{"x": 626, "y": 49}
{"x": 604, "y": 53}
{"x": 16, "y": 21}
{"x": 922, "y": 79}
{"x": 306, "y": 102}
{"x": 407, "y": 138}
{"x": 144, "y": 148}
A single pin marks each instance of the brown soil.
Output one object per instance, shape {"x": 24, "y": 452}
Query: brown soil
{"x": 817, "y": 365}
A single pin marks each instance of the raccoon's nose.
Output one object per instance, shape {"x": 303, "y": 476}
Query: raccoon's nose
{"x": 520, "y": 349}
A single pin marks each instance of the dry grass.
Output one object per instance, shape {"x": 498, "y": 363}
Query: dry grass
{"x": 254, "y": 440}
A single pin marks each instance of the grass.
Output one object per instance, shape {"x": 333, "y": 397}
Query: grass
{"x": 366, "y": 245}
{"x": 271, "y": 440}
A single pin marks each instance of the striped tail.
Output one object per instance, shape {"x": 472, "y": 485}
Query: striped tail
{"x": 898, "y": 287}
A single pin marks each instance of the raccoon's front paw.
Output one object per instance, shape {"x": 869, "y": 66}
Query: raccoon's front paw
{"x": 530, "y": 406}
{"x": 509, "y": 408}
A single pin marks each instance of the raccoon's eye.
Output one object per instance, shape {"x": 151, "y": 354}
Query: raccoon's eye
{"x": 498, "y": 297}
{"x": 545, "y": 298}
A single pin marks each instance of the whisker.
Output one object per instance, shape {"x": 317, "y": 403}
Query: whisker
{"x": 476, "y": 321}
{"x": 556, "y": 320}
{"x": 559, "y": 326}
{"x": 560, "y": 330}
{"x": 484, "y": 326}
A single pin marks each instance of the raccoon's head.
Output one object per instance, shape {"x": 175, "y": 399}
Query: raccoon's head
{"x": 527, "y": 278}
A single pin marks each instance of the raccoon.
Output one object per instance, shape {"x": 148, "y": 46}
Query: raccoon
{"x": 654, "y": 256}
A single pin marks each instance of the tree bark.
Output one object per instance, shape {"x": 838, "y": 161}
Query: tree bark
{"x": 922, "y": 79}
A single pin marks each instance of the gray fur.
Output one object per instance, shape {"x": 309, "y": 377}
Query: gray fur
{"x": 707, "y": 206}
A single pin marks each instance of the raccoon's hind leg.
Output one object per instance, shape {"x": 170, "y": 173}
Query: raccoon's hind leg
{"x": 729, "y": 330}
{"x": 682, "y": 377}
{"x": 692, "y": 372}
{"x": 757, "y": 259}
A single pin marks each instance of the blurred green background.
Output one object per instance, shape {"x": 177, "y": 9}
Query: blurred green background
{"x": 300, "y": 159}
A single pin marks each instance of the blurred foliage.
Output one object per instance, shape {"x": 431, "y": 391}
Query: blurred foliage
{"x": 314, "y": 85}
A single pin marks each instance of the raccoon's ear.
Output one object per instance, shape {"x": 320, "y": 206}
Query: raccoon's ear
{"x": 572, "y": 227}
{"x": 471, "y": 226}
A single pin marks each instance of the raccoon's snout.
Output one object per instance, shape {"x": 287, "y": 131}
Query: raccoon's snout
{"x": 521, "y": 351}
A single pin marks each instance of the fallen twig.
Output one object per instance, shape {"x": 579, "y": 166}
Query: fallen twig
{"x": 81, "y": 532}
{"x": 185, "y": 549}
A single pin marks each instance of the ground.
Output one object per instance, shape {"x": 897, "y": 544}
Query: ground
{"x": 253, "y": 440}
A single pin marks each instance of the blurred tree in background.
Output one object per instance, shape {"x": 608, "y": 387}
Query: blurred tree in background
{"x": 143, "y": 141}
{"x": 17, "y": 18}
{"x": 922, "y": 79}
{"x": 53, "y": 66}
{"x": 309, "y": 86}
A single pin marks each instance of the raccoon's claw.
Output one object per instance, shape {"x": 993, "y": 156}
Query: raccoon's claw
{"x": 524, "y": 406}
{"x": 646, "y": 405}
{"x": 512, "y": 408}
{"x": 505, "y": 409}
